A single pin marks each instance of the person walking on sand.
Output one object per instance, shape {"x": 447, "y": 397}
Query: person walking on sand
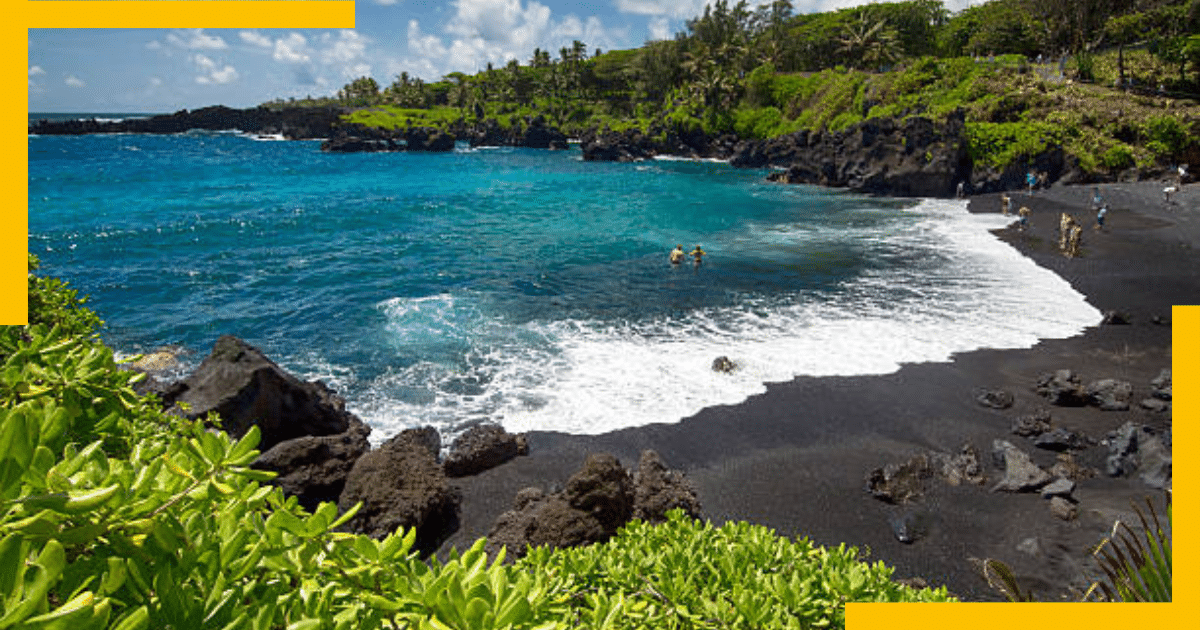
{"x": 1024, "y": 221}
{"x": 1097, "y": 200}
{"x": 1100, "y": 214}
{"x": 697, "y": 254}
{"x": 1064, "y": 231}
{"x": 1168, "y": 191}
{"x": 1005, "y": 203}
{"x": 677, "y": 255}
{"x": 1030, "y": 180}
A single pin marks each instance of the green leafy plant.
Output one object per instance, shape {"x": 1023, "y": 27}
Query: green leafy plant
{"x": 1137, "y": 567}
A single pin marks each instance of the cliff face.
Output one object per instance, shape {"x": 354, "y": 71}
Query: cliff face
{"x": 294, "y": 123}
{"x": 915, "y": 157}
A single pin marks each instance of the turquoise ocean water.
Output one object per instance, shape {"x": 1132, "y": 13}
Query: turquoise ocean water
{"x": 521, "y": 286}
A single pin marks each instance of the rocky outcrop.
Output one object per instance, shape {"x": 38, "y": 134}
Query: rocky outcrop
{"x": 658, "y": 490}
{"x": 293, "y": 123}
{"x": 995, "y": 398}
{"x": 915, "y": 157}
{"x": 1062, "y": 388}
{"x": 1109, "y": 394}
{"x": 609, "y": 146}
{"x": 531, "y": 132}
{"x": 1133, "y": 448}
{"x": 606, "y": 145}
{"x": 595, "y": 503}
{"x": 401, "y": 484}
{"x": 362, "y": 139}
{"x": 1020, "y": 473}
{"x": 314, "y": 468}
{"x": 906, "y": 482}
{"x": 246, "y": 389}
{"x": 482, "y": 447}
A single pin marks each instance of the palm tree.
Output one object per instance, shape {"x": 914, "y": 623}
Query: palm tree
{"x": 869, "y": 44}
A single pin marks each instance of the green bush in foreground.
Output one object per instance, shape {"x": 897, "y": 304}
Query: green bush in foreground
{"x": 113, "y": 515}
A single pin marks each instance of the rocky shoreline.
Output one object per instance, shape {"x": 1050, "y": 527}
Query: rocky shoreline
{"x": 321, "y": 453}
{"x": 914, "y": 157}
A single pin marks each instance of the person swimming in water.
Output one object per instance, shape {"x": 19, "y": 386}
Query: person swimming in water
{"x": 677, "y": 255}
{"x": 697, "y": 254}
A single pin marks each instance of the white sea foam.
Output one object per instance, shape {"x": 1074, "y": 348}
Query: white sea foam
{"x": 969, "y": 291}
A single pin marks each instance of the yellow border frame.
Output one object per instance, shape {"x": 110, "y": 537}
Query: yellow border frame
{"x": 318, "y": 14}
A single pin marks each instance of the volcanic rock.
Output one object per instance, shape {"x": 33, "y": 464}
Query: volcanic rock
{"x": 1020, "y": 473}
{"x": 1032, "y": 425}
{"x": 1062, "y": 388}
{"x": 482, "y": 447}
{"x": 1063, "y": 509}
{"x": 658, "y": 490}
{"x": 1059, "y": 440}
{"x": 400, "y": 484}
{"x": 314, "y": 468}
{"x": 245, "y": 389}
{"x": 597, "y": 500}
{"x": 994, "y": 398}
{"x": 1109, "y": 394}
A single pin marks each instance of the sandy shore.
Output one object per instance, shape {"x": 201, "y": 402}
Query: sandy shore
{"x": 796, "y": 457}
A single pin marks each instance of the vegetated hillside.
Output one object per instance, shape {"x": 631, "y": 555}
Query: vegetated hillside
{"x": 1115, "y": 83}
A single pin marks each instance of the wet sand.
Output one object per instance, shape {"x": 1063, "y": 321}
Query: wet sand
{"x": 796, "y": 457}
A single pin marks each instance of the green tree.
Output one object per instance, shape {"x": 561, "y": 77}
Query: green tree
{"x": 361, "y": 92}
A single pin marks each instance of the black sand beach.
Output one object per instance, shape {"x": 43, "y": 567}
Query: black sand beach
{"x": 796, "y": 457}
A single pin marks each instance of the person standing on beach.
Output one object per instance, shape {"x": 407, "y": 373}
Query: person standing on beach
{"x": 1005, "y": 203}
{"x": 1100, "y": 214}
{"x": 1074, "y": 240}
{"x": 1097, "y": 200}
{"x": 1030, "y": 180}
{"x": 1064, "y": 231}
{"x": 677, "y": 255}
{"x": 959, "y": 193}
{"x": 1024, "y": 214}
{"x": 697, "y": 254}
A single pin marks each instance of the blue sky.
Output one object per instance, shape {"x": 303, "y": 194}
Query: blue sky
{"x": 163, "y": 70}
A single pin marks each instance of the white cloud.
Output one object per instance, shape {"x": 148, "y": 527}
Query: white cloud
{"x": 74, "y": 81}
{"x": 154, "y": 45}
{"x": 212, "y": 72}
{"x": 196, "y": 39}
{"x": 292, "y": 49}
{"x": 347, "y": 53}
{"x": 483, "y": 31}
{"x": 669, "y": 8}
{"x": 660, "y": 28}
{"x": 36, "y": 71}
{"x": 254, "y": 38}
{"x": 388, "y": 3}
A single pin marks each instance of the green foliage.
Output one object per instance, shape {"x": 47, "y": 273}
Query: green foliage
{"x": 1118, "y": 157}
{"x": 53, "y": 304}
{"x": 1000, "y": 144}
{"x": 1167, "y": 136}
{"x": 689, "y": 574}
{"x": 392, "y": 117}
{"x": 1137, "y": 568}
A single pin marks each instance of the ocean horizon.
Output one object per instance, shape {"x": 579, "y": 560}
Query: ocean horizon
{"x": 520, "y": 286}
